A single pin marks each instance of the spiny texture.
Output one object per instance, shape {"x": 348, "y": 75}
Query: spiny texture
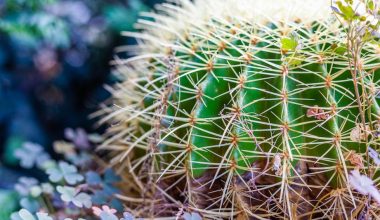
{"x": 243, "y": 109}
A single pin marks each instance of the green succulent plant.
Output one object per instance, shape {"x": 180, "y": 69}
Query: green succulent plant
{"x": 245, "y": 109}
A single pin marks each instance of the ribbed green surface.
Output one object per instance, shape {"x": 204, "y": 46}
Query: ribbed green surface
{"x": 239, "y": 97}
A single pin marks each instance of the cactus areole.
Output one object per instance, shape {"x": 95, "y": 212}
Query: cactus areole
{"x": 243, "y": 108}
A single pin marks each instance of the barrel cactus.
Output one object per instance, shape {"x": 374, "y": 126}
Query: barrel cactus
{"x": 249, "y": 109}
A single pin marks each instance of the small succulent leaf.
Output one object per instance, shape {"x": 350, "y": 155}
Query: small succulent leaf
{"x": 116, "y": 204}
{"x": 63, "y": 147}
{"x": 48, "y": 164}
{"x": 31, "y": 154}
{"x": 82, "y": 200}
{"x": 78, "y": 137}
{"x": 81, "y": 139}
{"x": 54, "y": 174}
{"x": 110, "y": 176}
{"x": 35, "y": 191}
{"x": 67, "y": 193}
{"x": 73, "y": 178}
{"x": 105, "y": 210}
{"x": 70, "y": 173}
{"x": 30, "y": 204}
{"x": 73, "y": 219}
{"x": 15, "y": 216}
{"x": 43, "y": 161}
{"x": 107, "y": 216}
{"x": 43, "y": 216}
{"x": 65, "y": 171}
{"x": 80, "y": 159}
{"x": 26, "y": 215}
{"x": 93, "y": 178}
{"x": 109, "y": 190}
{"x": 191, "y": 216}
{"x": 99, "y": 197}
{"x": 47, "y": 188}
{"x": 69, "y": 133}
{"x": 127, "y": 216}
{"x": 25, "y": 184}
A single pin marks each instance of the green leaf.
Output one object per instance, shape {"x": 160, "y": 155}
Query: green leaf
{"x": 371, "y": 5}
{"x": 295, "y": 60}
{"x": 289, "y": 44}
{"x": 347, "y": 12}
{"x": 341, "y": 50}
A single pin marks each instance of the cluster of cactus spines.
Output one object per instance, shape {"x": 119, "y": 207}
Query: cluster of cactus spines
{"x": 241, "y": 109}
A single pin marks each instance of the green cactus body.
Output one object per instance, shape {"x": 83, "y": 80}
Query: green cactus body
{"x": 233, "y": 92}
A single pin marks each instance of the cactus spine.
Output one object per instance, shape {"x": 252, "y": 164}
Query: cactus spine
{"x": 242, "y": 109}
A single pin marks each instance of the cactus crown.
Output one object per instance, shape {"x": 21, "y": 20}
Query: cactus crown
{"x": 242, "y": 108}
